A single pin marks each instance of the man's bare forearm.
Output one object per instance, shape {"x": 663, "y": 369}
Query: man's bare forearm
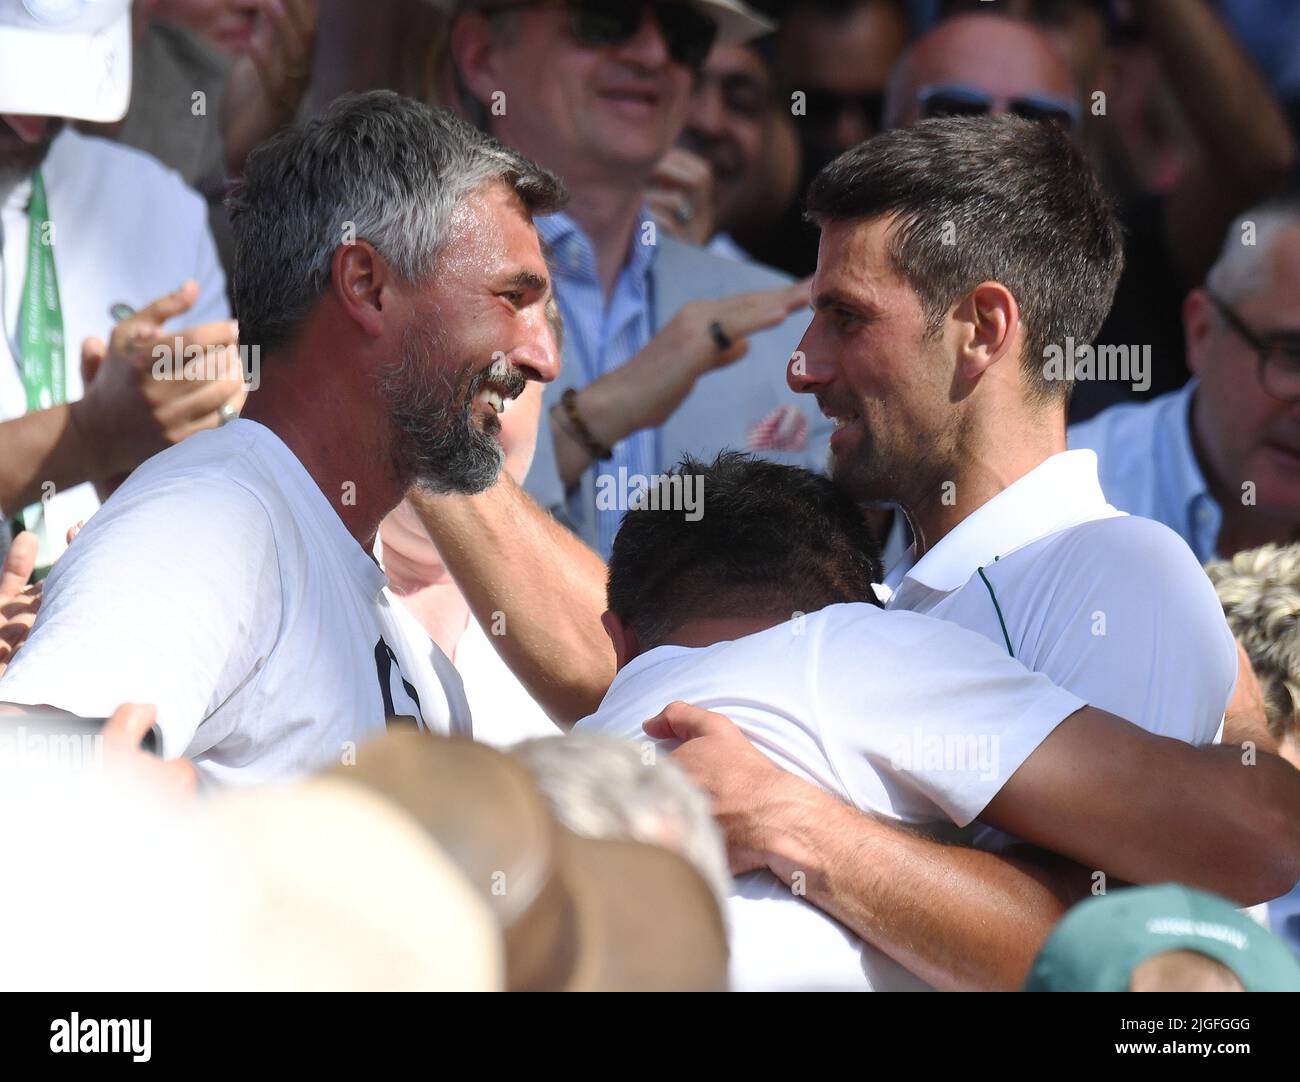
{"x": 1149, "y": 808}
{"x": 40, "y": 447}
{"x": 960, "y": 919}
{"x": 534, "y": 586}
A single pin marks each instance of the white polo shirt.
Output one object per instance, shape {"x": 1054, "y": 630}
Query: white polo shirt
{"x": 1112, "y": 607}
{"x": 905, "y": 717}
{"x": 127, "y": 230}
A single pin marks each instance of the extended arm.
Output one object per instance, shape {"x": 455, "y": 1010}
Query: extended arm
{"x": 1148, "y": 808}
{"x": 533, "y": 585}
{"x": 960, "y": 919}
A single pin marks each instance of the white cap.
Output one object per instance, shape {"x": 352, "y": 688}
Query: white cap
{"x": 66, "y": 58}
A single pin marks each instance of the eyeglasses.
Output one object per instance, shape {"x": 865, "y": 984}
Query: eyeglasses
{"x": 1279, "y": 356}
{"x": 953, "y": 100}
{"x": 688, "y": 32}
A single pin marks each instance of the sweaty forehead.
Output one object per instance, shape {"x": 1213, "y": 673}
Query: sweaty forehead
{"x": 490, "y": 228}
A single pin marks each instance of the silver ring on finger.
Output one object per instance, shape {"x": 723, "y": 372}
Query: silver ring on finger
{"x": 720, "y": 337}
{"x": 684, "y": 212}
{"x": 226, "y": 414}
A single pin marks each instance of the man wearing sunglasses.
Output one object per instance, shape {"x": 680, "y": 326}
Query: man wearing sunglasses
{"x": 599, "y": 90}
{"x": 1219, "y": 460}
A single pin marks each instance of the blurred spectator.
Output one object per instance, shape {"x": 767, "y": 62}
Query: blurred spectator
{"x": 1219, "y": 460}
{"x": 1237, "y": 149}
{"x": 735, "y": 166}
{"x": 832, "y": 61}
{"x": 605, "y": 788}
{"x": 1260, "y": 593}
{"x": 598, "y": 94}
{"x": 1161, "y": 939}
{"x": 501, "y": 708}
{"x": 230, "y": 581}
{"x": 90, "y": 234}
{"x": 210, "y": 80}
{"x": 576, "y": 913}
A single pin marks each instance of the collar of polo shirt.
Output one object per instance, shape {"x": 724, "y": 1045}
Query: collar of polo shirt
{"x": 1061, "y": 492}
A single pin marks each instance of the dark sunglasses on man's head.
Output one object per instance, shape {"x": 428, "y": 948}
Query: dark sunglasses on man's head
{"x": 951, "y": 100}
{"x": 688, "y": 32}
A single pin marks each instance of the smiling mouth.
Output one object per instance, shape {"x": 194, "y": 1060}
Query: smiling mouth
{"x": 839, "y": 417}
{"x": 647, "y": 98}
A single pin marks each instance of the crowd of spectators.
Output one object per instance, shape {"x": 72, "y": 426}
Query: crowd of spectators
{"x": 652, "y": 494}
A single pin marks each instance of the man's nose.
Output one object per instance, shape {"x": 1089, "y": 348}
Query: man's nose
{"x": 539, "y": 356}
{"x": 647, "y": 47}
{"x": 805, "y": 373}
{"x": 707, "y": 115}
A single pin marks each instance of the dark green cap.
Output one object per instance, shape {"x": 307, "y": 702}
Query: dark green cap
{"x": 1101, "y": 941}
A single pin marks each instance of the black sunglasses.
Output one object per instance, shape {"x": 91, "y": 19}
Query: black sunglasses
{"x": 970, "y": 101}
{"x": 688, "y": 32}
{"x": 1279, "y": 356}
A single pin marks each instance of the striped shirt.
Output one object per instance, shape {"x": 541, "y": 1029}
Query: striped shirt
{"x": 599, "y": 336}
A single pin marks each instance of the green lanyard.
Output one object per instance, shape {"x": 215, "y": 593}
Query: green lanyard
{"x": 40, "y": 318}
{"x": 40, "y": 338}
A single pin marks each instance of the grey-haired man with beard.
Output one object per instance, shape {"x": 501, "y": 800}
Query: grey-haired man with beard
{"x": 390, "y": 273}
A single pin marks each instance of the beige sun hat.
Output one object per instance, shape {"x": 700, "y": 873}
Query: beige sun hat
{"x": 330, "y": 887}
{"x": 577, "y": 914}
{"x": 737, "y": 22}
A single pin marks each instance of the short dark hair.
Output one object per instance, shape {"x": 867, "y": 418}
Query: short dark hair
{"x": 376, "y": 167}
{"x": 988, "y": 198}
{"x": 772, "y": 540}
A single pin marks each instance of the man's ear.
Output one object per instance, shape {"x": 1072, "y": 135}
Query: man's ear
{"x": 623, "y": 636}
{"x": 362, "y": 285}
{"x": 1200, "y": 321}
{"x": 989, "y": 317}
{"x": 473, "y": 55}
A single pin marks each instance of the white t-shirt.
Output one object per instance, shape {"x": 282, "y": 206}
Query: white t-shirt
{"x": 220, "y": 584}
{"x": 902, "y": 716}
{"x": 127, "y": 230}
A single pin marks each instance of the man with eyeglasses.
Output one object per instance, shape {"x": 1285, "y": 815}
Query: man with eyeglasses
{"x": 1219, "y": 460}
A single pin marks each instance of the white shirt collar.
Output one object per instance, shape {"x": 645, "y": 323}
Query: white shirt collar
{"x": 1061, "y": 492}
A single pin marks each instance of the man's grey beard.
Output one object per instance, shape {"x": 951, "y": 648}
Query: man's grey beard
{"x": 437, "y": 445}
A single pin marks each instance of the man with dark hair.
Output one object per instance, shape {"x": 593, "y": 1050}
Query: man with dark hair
{"x": 762, "y": 607}
{"x": 950, "y": 251}
{"x": 742, "y": 557}
{"x": 389, "y": 269}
